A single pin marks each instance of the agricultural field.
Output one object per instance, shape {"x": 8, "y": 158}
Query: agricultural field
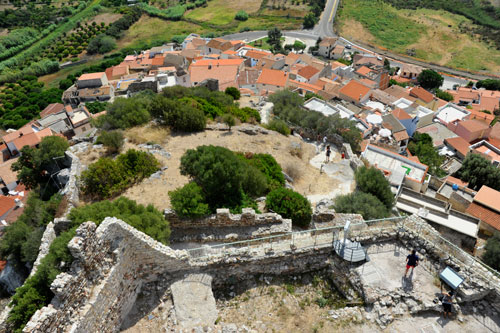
{"x": 222, "y": 12}
{"x": 435, "y": 36}
{"x": 294, "y": 8}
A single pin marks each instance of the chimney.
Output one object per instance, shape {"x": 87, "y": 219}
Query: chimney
{"x": 209, "y": 66}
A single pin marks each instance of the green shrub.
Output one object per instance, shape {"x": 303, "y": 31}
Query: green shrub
{"x": 372, "y": 181}
{"x": 491, "y": 255}
{"x": 444, "y": 95}
{"x": 234, "y": 92}
{"x": 125, "y": 113}
{"x": 106, "y": 177}
{"x": 290, "y": 204}
{"x": 279, "y": 126}
{"x": 268, "y": 166}
{"x": 245, "y": 114}
{"x": 101, "y": 44}
{"x": 241, "y": 15}
{"x": 368, "y": 205}
{"x": 228, "y": 119}
{"x": 112, "y": 140}
{"x": 189, "y": 201}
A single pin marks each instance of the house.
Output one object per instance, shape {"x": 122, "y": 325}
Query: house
{"x": 219, "y": 45}
{"x": 326, "y": 45}
{"x": 254, "y": 55}
{"x": 80, "y": 120}
{"x": 8, "y": 178}
{"x": 450, "y": 112}
{"x": 247, "y": 79}
{"x": 24, "y": 137}
{"x": 355, "y": 92}
{"x": 52, "y": 109}
{"x": 398, "y": 169}
{"x": 226, "y": 71}
{"x": 376, "y": 77}
{"x": 477, "y": 99}
{"x": 458, "y": 145}
{"x": 271, "y": 80}
{"x": 424, "y": 98}
{"x": 117, "y": 72}
{"x": 92, "y": 80}
{"x": 337, "y": 52}
{"x": 271, "y": 61}
{"x": 486, "y": 207}
{"x": 488, "y": 150}
{"x": 410, "y": 71}
{"x": 307, "y": 74}
{"x": 470, "y": 130}
{"x": 398, "y": 132}
{"x": 366, "y": 59}
{"x": 438, "y": 132}
{"x": 406, "y": 120}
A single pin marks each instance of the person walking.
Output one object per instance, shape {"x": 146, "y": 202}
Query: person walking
{"x": 447, "y": 301}
{"x": 328, "y": 153}
{"x": 411, "y": 261}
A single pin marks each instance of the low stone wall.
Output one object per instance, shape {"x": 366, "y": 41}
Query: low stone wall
{"x": 223, "y": 218}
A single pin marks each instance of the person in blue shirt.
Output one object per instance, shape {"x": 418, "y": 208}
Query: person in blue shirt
{"x": 411, "y": 261}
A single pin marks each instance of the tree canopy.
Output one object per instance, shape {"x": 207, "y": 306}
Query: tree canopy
{"x": 372, "y": 181}
{"x": 430, "y": 79}
{"x": 478, "y": 171}
{"x": 366, "y": 204}
{"x": 491, "y": 255}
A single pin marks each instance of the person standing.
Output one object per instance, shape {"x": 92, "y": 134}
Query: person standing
{"x": 447, "y": 301}
{"x": 411, "y": 261}
{"x": 328, "y": 153}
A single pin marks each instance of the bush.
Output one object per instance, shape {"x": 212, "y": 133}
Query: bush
{"x": 279, "y": 126}
{"x": 444, "y": 95}
{"x": 291, "y": 205}
{"x": 189, "y": 201}
{"x": 112, "y": 140}
{"x": 241, "y": 15}
{"x": 478, "y": 171}
{"x": 266, "y": 164}
{"x": 372, "y": 181}
{"x": 491, "y": 255}
{"x": 234, "y": 92}
{"x": 106, "y": 177}
{"x": 125, "y": 113}
{"x": 228, "y": 119}
{"x": 186, "y": 118}
{"x": 101, "y": 44}
{"x": 368, "y": 205}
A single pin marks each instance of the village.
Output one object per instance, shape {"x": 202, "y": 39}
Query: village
{"x": 386, "y": 104}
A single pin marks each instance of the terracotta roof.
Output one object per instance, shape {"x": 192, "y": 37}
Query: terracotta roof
{"x": 6, "y": 172}
{"x": 495, "y": 131}
{"x": 91, "y": 76}
{"x": 6, "y": 204}
{"x": 363, "y": 70}
{"x": 369, "y": 83}
{"x": 273, "y": 77}
{"x": 308, "y": 72}
{"x": 401, "y": 114}
{"x": 248, "y": 76}
{"x": 217, "y": 62}
{"x": 488, "y": 197}
{"x": 224, "y": 70}
{"x": 354, "y": 90}
{"x": 256, "y": 54}
{"x": 473, "y": 125}
{"x": 14, "y": 135}
{"x": 477, "y": 114}
{"x": 305, "y": 86}
{"x": 400, "y": 136}
{"x": 158, "y": 61}
{"x": 51, "y": 109}
{"x": 422, "y": 94}
{"x": 484, "y": 214}
{"x": 458, "y": 144}
{"x": 327, "y": 41}
{"x": 459, "y": 182}
{"x": 31, "y": 139}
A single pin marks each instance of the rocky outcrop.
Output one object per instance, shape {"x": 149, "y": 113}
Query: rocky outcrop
{"x": 11, "y": 278}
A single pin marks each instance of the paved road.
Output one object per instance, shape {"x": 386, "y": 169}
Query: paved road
{"x": 324, "y": 28}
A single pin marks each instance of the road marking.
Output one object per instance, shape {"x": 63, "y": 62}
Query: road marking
{"x": 333, "y": 10}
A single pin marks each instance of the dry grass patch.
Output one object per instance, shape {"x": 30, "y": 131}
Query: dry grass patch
{"x": 147, "y": 134}
{"x": 106, "y": 18}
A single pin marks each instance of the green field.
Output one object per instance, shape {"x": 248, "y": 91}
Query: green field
{"x": 263, "y": 43}
{"x": 434, "y": 36}
{"x": 222, "y": 12}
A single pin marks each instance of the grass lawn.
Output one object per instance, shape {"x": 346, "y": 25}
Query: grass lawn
{"x": 265, "y": 45}
{"x": 434, "y": 35}
{"x": 221, "y": 12}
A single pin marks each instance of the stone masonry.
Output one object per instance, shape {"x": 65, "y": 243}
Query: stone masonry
{"x": 113, "y": 261}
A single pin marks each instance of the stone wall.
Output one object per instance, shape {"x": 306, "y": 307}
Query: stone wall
{"x": 223, "y": 218}
{"x": 114, "y": 260}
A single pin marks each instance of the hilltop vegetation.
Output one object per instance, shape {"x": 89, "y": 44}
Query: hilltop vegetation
{"x": 455, "y": 33}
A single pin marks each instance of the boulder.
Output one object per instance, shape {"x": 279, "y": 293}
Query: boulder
{"x": 11, "y": 278}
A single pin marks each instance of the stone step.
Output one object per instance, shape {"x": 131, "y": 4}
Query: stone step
{"x": 194, "y": 301}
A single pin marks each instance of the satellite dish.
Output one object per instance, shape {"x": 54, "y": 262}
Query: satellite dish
{"x": 385, "y": 133}
{"x": 374, "y": 119}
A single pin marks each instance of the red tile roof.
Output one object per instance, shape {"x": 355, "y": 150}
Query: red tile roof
{"x": 422, "y": 94}
{"x": 457, "y": 181}
{"x": 488, "y": 197}
{"x": 272, "y": 77}
{"x": 473, "y": 125}
{"x": 363, "y": 70}
{"x": 51, "y": 109}
{"x": 91, "y": 76}
{"x": 401, "y": 114}
{"x": 354, "y": 90}
{"x": 458, "y": 144}
{"x": 256, "y": 54}
{"x": 307, "y": 72}
{"x": 484, "y": 214}
{"x": 6, "y": 204}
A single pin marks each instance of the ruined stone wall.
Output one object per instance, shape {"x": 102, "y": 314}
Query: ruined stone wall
{"x": 223, "y": 218}
{"x": 114, "y": 260}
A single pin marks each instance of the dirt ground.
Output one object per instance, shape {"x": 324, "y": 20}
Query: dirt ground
{"x": 307, "y": 178}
